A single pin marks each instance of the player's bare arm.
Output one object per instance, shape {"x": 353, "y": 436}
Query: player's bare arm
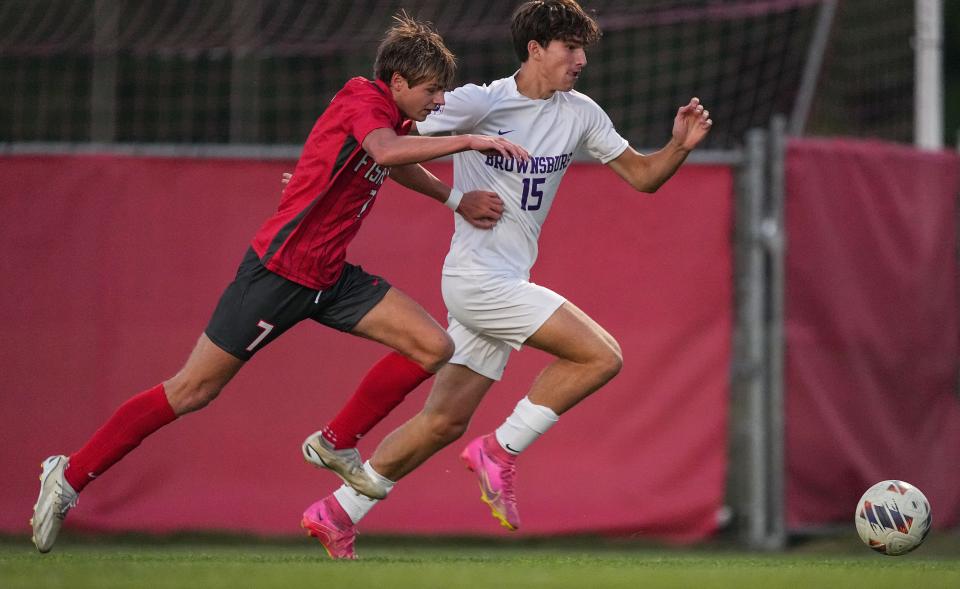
{"x": 481, "y": 208}
{"x": 647, "y": 173}
{"x": 389, "y": 149}
{"x": 416, "y": 102}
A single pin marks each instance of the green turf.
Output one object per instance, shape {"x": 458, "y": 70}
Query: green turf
{"x": 185, "y": 562}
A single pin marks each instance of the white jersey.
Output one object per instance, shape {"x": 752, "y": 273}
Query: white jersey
{"x": 551, "y": 130}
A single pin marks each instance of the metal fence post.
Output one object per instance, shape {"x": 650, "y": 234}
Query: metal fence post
{"x": 748, "y": 475}
{"x": 774, "y": 240}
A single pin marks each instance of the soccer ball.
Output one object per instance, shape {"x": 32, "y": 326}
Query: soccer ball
{"x": 893, "y": 517}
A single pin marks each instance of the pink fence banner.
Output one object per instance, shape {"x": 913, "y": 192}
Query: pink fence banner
{"x": 113, "y": 265}
{"x": 872, "y": 327}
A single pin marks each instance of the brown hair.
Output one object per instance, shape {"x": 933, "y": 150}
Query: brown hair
{"x": 416, "y": 51}
{"x": 547, "y": 20}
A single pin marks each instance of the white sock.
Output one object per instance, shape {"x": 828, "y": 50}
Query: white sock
{"x": 527, "y": 423}
{"x": 357, "y": 504}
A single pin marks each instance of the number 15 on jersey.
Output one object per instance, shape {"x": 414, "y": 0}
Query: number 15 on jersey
{"x": 532, "y": 194}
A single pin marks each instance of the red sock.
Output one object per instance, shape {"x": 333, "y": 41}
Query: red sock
{"x": 133, "y": 421}
{"x": 382, "y": 389}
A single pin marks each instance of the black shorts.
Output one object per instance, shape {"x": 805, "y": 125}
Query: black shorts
{"x": 259, "y": 305}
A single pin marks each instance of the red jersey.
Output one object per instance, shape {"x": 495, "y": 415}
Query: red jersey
{"x": 333, "y": 188}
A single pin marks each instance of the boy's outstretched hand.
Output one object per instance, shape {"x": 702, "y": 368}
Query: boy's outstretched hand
{"x": 691, "y": 124}
{"x": 480, "y": 208}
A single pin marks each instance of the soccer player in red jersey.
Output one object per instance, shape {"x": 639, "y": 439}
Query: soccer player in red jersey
{"x": 295, "y": 268}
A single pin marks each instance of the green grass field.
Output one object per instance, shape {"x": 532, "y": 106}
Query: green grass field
{"x": 397, "y": 563}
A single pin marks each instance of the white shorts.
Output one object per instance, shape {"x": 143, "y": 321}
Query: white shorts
{"x": 489, "y": 315}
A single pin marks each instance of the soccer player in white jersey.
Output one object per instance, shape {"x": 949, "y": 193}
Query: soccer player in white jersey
{"x": 493, "y": 307}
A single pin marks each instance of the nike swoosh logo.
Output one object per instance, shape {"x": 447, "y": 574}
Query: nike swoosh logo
{"x": 485, "y": 483}
{"x": 491, "y": 497}
{"x": 309, "y": 449}
{"x": 511, "y": 449}
{"x": 502, "y": 132}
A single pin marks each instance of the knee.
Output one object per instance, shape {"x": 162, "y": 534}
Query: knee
{"x": 190, "y": 394}
{"x": 445, "y": 429}
{"x": 610, "y": 361}
{"x": 434, "y": 351}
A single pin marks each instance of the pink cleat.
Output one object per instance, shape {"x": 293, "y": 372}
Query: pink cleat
{"x": 496, "y": 469}
{"x": 326, "y": 521}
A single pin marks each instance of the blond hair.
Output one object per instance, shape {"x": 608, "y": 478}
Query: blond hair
{"x": 416, "y": 51}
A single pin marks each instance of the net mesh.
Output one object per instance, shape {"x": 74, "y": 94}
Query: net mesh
{"x": 258, "y": 71}
{"x": 867, "y": 83}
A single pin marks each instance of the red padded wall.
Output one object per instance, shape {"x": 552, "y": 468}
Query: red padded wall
{"x": 112, "y": 266}
{"x": 871, "y": 327}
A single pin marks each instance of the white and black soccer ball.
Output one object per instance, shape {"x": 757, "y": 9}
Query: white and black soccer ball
{"x": 893, "y": 517}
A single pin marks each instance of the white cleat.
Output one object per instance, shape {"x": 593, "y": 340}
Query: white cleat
{"x": 345, "y": 463}
{"x": 56, "y": 498}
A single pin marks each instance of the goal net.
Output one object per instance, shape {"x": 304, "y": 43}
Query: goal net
{"x": 258, "y": 71}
